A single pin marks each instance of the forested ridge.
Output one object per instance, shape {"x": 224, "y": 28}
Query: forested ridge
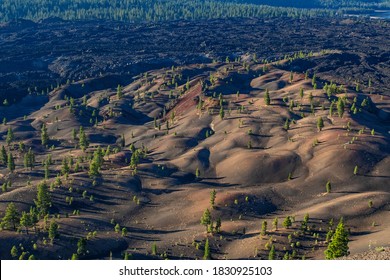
{"x": 152, "y": 10}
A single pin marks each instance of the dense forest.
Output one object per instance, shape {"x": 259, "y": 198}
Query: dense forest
{"x": 329, "y": 4}
{"x": 158, "y": 10}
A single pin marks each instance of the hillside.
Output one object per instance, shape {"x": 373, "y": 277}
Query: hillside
{"x": 159, "y": 144}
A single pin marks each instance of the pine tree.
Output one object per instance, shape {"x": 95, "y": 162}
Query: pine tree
{"x": 328, "y": 187}
{"x": 33, "y": 217}
{"x": 287, "y": 223}
{"x": 65, "y": 166}
{"x": 29, "y": 159}
{"x": 331, "y": 109}
{"x": 117, "y": 228}
{"x": 263, "y": 228}
{"x": 11, "y": 216}
{"x": 10, "y": 136}
{"x": 301, "y": 93}
{"x": 340, "y": 107}
{"x": 26, "y": 221}
{"x": 11, "y": 163}
{"x": 355, "y": 170}
{"x": 206, "y": 219}
{"x": 221, "y": 113}
{"x": 154, "y": 248}
{"x": 14, "y": 251}
{"x": 3, "y": 155}
{"x": 267, "y": 99}
{"x": 119, "y": 92}
{"x": 74, "y": 134}
{"x": 207, "y": 254}
{"x": 53, "y": 230}
{"x": 305, "y": 222}
{"x": 287, "y": 124}
{"x": 132, "y": 148}
{"x": 21, "y": 147}
{"x": 44, "y": 135}
{"x": 83, "y": 141}
{"x": 357, "y": 87}
{"x": 271, "y": 255}
{"x": 212, "y": 198}
{"x": 338, "y": 247}
{"x": 43, "y": 201}
{"x": 320, "y": 123}
{"x": 313, "y": 80}
{"x": 275, "y": 223}
{"x": 81, "y": 246}
{"x": 197, "y": 173}
{"x": 218, "y": 225}
{"x": 135, "y": 158}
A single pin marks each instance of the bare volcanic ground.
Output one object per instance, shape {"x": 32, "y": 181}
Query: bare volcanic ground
{"x": 43, "y": 54}
{"x": 171, "y": 136}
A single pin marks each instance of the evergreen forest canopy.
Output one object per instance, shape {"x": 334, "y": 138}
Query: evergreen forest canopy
{"x": 161, "y": 10}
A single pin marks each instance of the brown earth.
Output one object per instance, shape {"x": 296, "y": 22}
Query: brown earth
{"x": 259, "y": 169}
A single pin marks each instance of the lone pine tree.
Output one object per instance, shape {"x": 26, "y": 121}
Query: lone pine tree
{"x": 43, "y": 200}
{"x": 3, "y": 155}
{"x": 44, "y": 135}
{"x": 95, "y": 164}
{"x": 338, "y": 247}
{"x": 320, "y": 123}
{"x": 328, "y": 187}
{"x": 267, "y": 99}
{"x": 10, "y": 163}
{"x": 287, "y": 124}
{"x": 10, "y": 136}
{"x": 263, "y": 228}
{"x": 275, "y": 223}
{"x": 222, "y": 113}
{"x": 212, "y": 198}
{"x": 197, "y": 172}
{"x": 287, "y": 223}
{"x": 11, "y": 216}
{"x": 340, "y": 107}
{"x": 83, "y": 141}
{"x": 53, "y": 230}
{"x": 119, "y": 92}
